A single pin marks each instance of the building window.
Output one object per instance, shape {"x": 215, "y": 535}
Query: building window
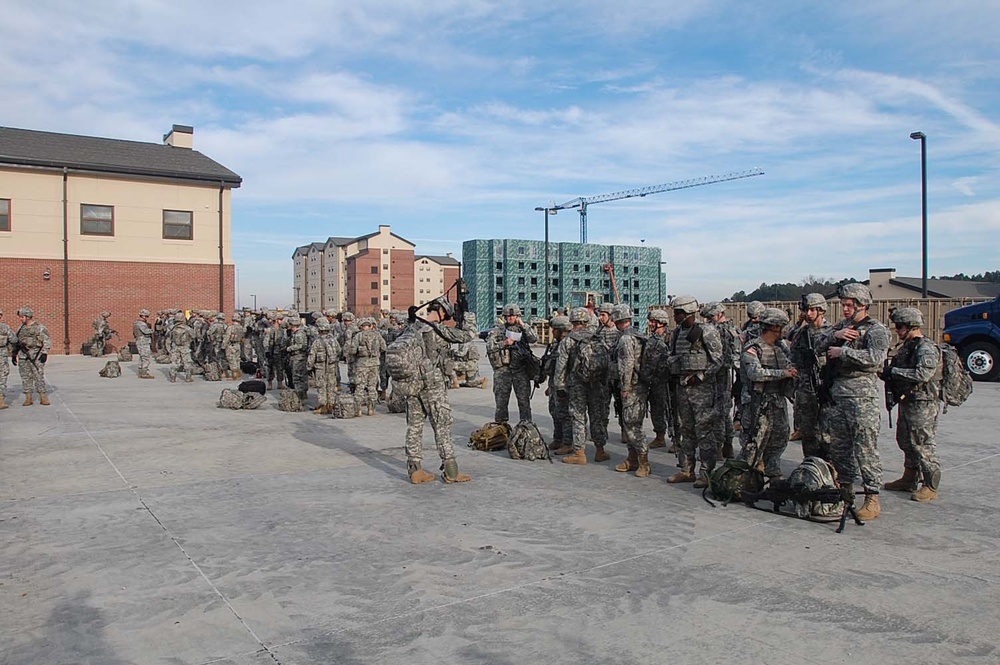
{"x": 534, "y": 266}
{"x": 534, "y": 311}
{"x": 576, "y": 281}
{"x": 374, "y": 270}
{"x": 385, "y": 282}
{"x": 178, "y": 225}
{"x": 555, "y": 267}
{"x": 534, "y": 296}
{"x": 499, "y": 265}
{"x": 385, "y": 251}
{"x": 374, "y": 286}
{"x": 555, "y": 281}
{"x": 385, "y": 297}
{"x": 520, "y": 250}
{"x": 635, "y": 284}
{"x": 586, "y": 268}
{"x": 4, "y": 214}
{"x": 499, "y": 281}
{"x": 96, "y": 220}
{"x": 520, "y": 264}
{"x": 520, "y": 281}
{"x": 520, "y": 296}
{"x": 385, "y": 266}
{"x": 576, "y": 267}
{"x": 586, "y": 282}
{"x": 499, "y": 296}
{"x": 374, "y": 301}
{"x": 635, "y": 271}
{"x": 534, "y": 281}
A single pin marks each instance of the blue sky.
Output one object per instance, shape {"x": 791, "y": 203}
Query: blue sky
{"x": 454, "y": 119}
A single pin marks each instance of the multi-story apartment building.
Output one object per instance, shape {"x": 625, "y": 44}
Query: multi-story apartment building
{"x": 513, "y": 271}
{"x": 434, "y": 276}
{"x": 90, "y": 224}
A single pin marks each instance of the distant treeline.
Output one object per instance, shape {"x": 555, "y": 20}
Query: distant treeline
{"x": 789, "y": 292}
{"x": 989, "y": 276}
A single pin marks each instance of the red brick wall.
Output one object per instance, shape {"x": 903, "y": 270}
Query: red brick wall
{"x": 401, "y": 286}
{"x": 359, "y": 283}
{"x": 451, "y": 273}
{"x": 120, "y": 287}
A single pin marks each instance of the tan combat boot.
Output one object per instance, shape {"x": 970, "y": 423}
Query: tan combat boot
{"x": 29, "y": 399}
{"x": 454, "y": 383}
{"x": 685, "y": 475}
{"x": 556, "y": 445}
{"x": 417, "y": 474}
{"x": 146, "y": 375}
{"x": 483, "y": 382}
{"x": 451, "y": 473}
{"x": 908, "y": 483}
{"x": 871, "y": 508}
{"x": 631, "y": 462}
{"x": 566, "y": 449}
{"x": 43, "y": 399}
{"x": 644, "y": 468}
{"x": 658, "y": 442}
{"x": 576, "y": 457}
{"x": 600, "y": 455}
{"x": 929, "y": 490}
{"x": 796, "y": 436}
{"x": 3, "y": 405}
{"x": 320, "y": 410}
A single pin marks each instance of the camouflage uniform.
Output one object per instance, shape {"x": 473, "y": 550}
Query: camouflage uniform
{"x": 350, "y": 329}
{"x": 583, "y": 398}
{"x": 232, "y": 339}
{"x": 366, "y": 348}
{"x": 850, "y": 424}
{"x": 509, "y": 370}
{"x": 634, "y": 391}
{"x": 466, "y": 356}
{"x": 654, "y": 358}
{"x": 216, "y": 336}
{"x": 181, "y": 338}
{"x": 298, "y": 352}
{"x": 562, "y": 433}
{"x": 914, "y": 374}
{"x": 34, "y": 344}
{"x": 275, "y": 341}
{"x": 609, "y": 334}
{"x": 764, "y": 434}
{"x": 323, "y": 360}
{"x": 102, "y": 332}
{"x": 807, "y": 407}
{"x": 7, "y": 338}
{"x": 731, "y": 350}
{"x": 143, "y": 335}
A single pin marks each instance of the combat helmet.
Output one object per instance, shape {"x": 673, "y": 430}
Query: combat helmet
{"x": 606, "y": 307}
{"x": 857, "y": 292}
{"x": 659, "y": 315}
{"x": 510, "y": 309}
{"x": 755, "y": 308}
{"x": 322, "y": 324}
{"x": 910, "y": 317}
{"x": 813, "y": 301}
{"x": 143, "y": 312}
{"x": 621, "y": 313}
{"x": 711, "y": 309}
{"x": 579, "y": 315}
{"x": 686, "y": 304}
{"x": 772, "y": 316}
{"x": 560, "y": 322}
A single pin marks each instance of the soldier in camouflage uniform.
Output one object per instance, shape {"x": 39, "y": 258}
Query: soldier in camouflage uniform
{"x": 33, "y": 344}
{"x": 634, "y": 391}
{"x": 654, "y": 358}
{"x": 507, "y": 348}
{"x": 275, "y": 342}
{"x": 608, "y": 333}
{"x": 232, "y": 340}
{"x": 803, "y": 341}
{"x": 562, "y": 432}
{"x": 366, "y": 348}
{"x": 324, "y": 362}
{"x": 298, "y": 353}
{"x": 143, "y": 335}
{"x": 216, "y": 336}
{"x": 102, "y": 333}
{"x": 181, "y": 338}
{"x": 916, "y": 383}
{"x": 855, "y": 350}
{"x": 7, "y": 339}
{"x": 695, "y": 358}
{"x": 584, "y": 399}
{"x": 350, "y": 329}
{"x": 767, "y": 383}
{"x": 466, "y": 356}
{"x": 715, "y": 314}
{"x": 429, "y": 400}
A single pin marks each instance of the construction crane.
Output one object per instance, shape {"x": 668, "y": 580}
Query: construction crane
{"x": 610, "y": 269}
{"x": 581, "y": 202}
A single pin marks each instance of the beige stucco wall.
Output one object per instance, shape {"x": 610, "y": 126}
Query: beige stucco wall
{"x": 428, "y": 279}
{"x": 878, "y": 282}
{"x": 37, "y": 218}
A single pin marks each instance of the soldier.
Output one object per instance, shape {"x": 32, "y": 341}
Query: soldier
{"x": 715, "y": 314}
{"x": 634, "y": 391}
{"x": 608, "y": 333}
{"x": 199, "y": 337}
{"x": 508, "y": 347}
{"x": 767, "y": 375}
{"x": 7, "y": 340}
{"x": 751, "y": 327}
{"x": 216, "y": 336}
{"x": 427, "y": 398}
{"x": 350, "y": 329}
{"x": 466, "y": 356}
{"x": 102, "y": 333}
{"x": 323, "y": 360}
{"x": 654, "y": 358}
{"x": 232, "y": 340}
{"x": 915, "y": 381}
{"x": 143, "y": 335}
{"x": 31, "y": 352}
{"x": 366, "y": 348}
{"x": 181, "y": 338}
{"x": 298, "y": 353}
{"x": 804, "y": 338}
{"x": 583, "y": 395}
{"x": 855, "y": 350}
{"x": 695, "y": 358}
{"x": 562, "y": 433}
{"x": 274, "y": 349}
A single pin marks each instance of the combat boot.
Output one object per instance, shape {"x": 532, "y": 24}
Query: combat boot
{"x": 631, "y": 462}
{"x": 576, "y": 457}
{"x": 358, "y": 413}
{"x": 644, "y": 469}
{"x": 565, "y": 449}
{"x": 555, "y": 445}
{"x": 483, "y": 382}
{"x": 270, "y": 384}
{"x": 908, "y": 483}
{"x": 625, "y": 438}
{"x": 417, "y": 474}
{"x": 146, "y": 375}
{"x": 796, "y": 436}
{"x": 188, "y": 379}
{"x": 658, "y": 441}
{"x": 454, "y": 383}
{"x": 173, "y": 378}
{"x": 727, "y": 449}
{"x": 43, "y": 399}
{"x": 3, "y": 405}
{"x": 685, "y": 475}
{"x": 320, "y": 410}
{"x": 451, "y": 473}
{"x": 371, "y": 409}
{"x": 702, "y": 481}
{"x": 929, "y": 490}
{"x": 29, "y": 399}
{"x": 871, "y": 508}
{"x": 600, "y": 455}
{"x": 673, "y": 448}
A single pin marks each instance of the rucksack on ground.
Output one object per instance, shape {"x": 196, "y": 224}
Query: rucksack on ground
{"x": 125, "y": 354}
{"x": 345, "y": 405}
{"x": 527, "y": 443}
{"x": 112, "y": 370}
{"x": 289, "y": 401}
{"x": 236, "y": 400}
{"x": 592, "y": 359}
{"x": 211, "y": 372}
{"x": 405, "y": 357}
{"x": 726, "y": 482}
{"x": 956, "y": 382}
{"x": 814, "y": 473}
{"x": 490, "y": 437}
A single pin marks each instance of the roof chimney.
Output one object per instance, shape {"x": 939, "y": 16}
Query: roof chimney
{"x": 180, "y": 136}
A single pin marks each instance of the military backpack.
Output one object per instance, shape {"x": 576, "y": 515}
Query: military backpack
{"x": 956, "y": 383}
{"x": 727, "y": 482}
{"x": 490, "y": 437}
{"x": 405, "y": 357}
{"x": 814, "y": 473}
{"x": 112, "y": 370}
{"x": 527, "y": 443}
{"x": 125, "y": 354}
{"x": 344, "y": 406}
{"x": 591, "y": 359}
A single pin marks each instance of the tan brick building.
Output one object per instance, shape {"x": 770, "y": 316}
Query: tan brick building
{"x": 90, "y": 224}
{"x": 434, "y": 275}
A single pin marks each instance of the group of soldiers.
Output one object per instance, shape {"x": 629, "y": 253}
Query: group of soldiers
{"x": 703, "y": 382}
{"x": 28, "y": 348}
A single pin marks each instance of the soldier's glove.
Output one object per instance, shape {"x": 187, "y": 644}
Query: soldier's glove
{"x": 42, "y": 358}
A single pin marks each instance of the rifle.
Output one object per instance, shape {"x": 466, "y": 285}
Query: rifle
{"x": 780, "y": 492}
{"x": 541, "y": 376}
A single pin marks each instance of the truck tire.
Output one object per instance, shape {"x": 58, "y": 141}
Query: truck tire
{"x": 982, "y": 359}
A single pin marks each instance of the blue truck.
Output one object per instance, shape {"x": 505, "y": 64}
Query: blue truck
{"x": 975, "y": 331}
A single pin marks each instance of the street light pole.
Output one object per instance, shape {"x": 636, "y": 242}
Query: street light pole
{"x": 547, "y": 211}
{"x": 920, "y": 136}
{"x": 254, "y": 296}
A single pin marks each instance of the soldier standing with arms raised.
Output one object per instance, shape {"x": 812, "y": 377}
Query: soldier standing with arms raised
{"x": 634, "y": 391}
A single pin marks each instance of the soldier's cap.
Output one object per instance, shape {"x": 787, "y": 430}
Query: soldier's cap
{"x": 445, "y": 305}
{"x": 560, "y": 323}
{"x": 322, "y": 324}
{"x": 772, "y": 316}
{"x": 220, "y": 317}
{"x": 621, "y": 313}
{"x": 579, "y": 315}
{"x": 347, "y": 316}
{"x": 813, "y": 301}
{"x": 859, "y": 293}
{"x": 26, "y": 311}
{"x": 399, "y": 317}
{"x": 237, "y": 316}
{"x": 366, "y": 321}
{"x": 712, "y": 309}
{"x": 143, "y": 312}
{"x": 755, "y": 308}
{"x": 105, "y": 314}
{"x": 179, "y": 317}
{"x": 511, "y": 309}
{"x": 686, "y": 304}
{"x": 911, "y": 317}
{"x": 659, "y": 315}
{"x": 293, "y": 321}
{"x": 606, "y": 308}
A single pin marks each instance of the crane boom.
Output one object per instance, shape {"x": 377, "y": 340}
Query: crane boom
{"x": 581, "y": 202}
